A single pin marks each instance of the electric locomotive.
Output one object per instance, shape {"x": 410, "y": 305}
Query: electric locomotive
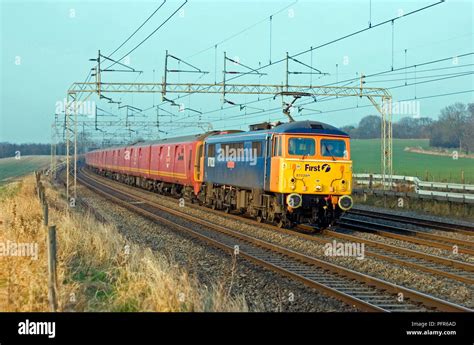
{"x": 290, "y": 173}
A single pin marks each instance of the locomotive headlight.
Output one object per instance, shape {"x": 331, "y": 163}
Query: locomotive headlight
{"x": 318, "y": 188}
{"x": 345, "y": 202}
{"x": 294, "y": 200}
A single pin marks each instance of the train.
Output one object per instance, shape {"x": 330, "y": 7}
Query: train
{"x": 282, "y": 173}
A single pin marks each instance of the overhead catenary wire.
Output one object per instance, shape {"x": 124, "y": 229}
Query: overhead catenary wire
{"x": 241, "y": 31}
{"x": 402, "y": 68}
{"x": 241, "y": 64}
{"x": 328, "y": 98}
{"x": 151, "y": 34}
{"x": 215, "y": 64}
{"x": 406, "y": 72}
{"x": 311, "y": 52}
{"x": 270, "y": 41}
{"x": 423, "y": 77}
{"x": 258, "y": 114}
{"x": 129, "y": 37}
{"x": 394, "y": 87}
{"x": 415, "y": 82}
{"x": 347, "y": 82}
{"x": 406, "y": 99}
{"x": 405, "y": 66}
{"x": 313, "y": 48}
{"x": 349, "y": 35}
{"x": 123, "y": 43}
{"x": 230, "y": 38}
{"x": 393, "y": 43}
{"x": 377, "y": 74}
{"x": 331, "y": 41}
{"x": 370, "y": 13}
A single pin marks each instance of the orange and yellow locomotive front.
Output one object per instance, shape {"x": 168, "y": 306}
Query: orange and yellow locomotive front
{"x": 312, "y": 164}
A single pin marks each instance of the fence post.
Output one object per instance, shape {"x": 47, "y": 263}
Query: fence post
{"x": 45, "y": 214}
{"x": 41, "y": 193}
{"x": 38, "y": 189}
{"x": 52, "y": 283}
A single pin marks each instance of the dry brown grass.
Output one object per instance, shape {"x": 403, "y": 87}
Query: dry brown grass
{"x": 98, "y": 269}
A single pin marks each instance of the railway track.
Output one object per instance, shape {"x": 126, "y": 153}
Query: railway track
{"x": 357, "y": 289}
{"x": 432, "y": 264}
{"x": 426, "y": 223}
{"x": 408, "y": 235}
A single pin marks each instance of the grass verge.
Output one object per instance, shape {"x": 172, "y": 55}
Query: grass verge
{"x": 98, "y": 269}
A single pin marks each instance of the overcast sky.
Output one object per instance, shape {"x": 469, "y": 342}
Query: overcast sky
{"x": 46, "y": 46}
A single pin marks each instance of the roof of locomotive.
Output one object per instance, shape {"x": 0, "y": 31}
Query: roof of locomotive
{"x": 303, "y": 127}
{"x": 307, "y": 127}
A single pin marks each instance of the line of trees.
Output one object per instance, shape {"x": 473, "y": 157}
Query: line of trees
{"x": 10, "y": 150}
{"x": 83, "y": 145}
{"x": 453, "y": 129}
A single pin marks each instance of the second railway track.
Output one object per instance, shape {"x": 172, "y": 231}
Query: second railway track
{"x": 408, "y": 235}
{"x": 354, "y": 288}
{"x": 422, "y": 222}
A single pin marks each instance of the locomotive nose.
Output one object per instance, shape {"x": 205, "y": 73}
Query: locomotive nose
{"x": 345, "y": 202}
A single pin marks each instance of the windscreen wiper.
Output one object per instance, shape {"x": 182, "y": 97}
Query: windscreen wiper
{"x": 329, "y": 151}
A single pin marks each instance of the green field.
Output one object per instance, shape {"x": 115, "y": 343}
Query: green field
{"x": 11, "y": 168}
{"x": 366, "y": 158}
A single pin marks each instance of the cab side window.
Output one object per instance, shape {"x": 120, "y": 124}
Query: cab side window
{"x": 277, "y": 146}
{"x": 211, "y": 150}
{"x": 257, "y": 148}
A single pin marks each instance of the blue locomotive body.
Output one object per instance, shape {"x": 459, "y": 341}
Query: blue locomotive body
{"x": 236, "y": 159}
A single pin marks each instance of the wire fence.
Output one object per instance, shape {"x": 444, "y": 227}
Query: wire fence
{"x": 51, "y": 244}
